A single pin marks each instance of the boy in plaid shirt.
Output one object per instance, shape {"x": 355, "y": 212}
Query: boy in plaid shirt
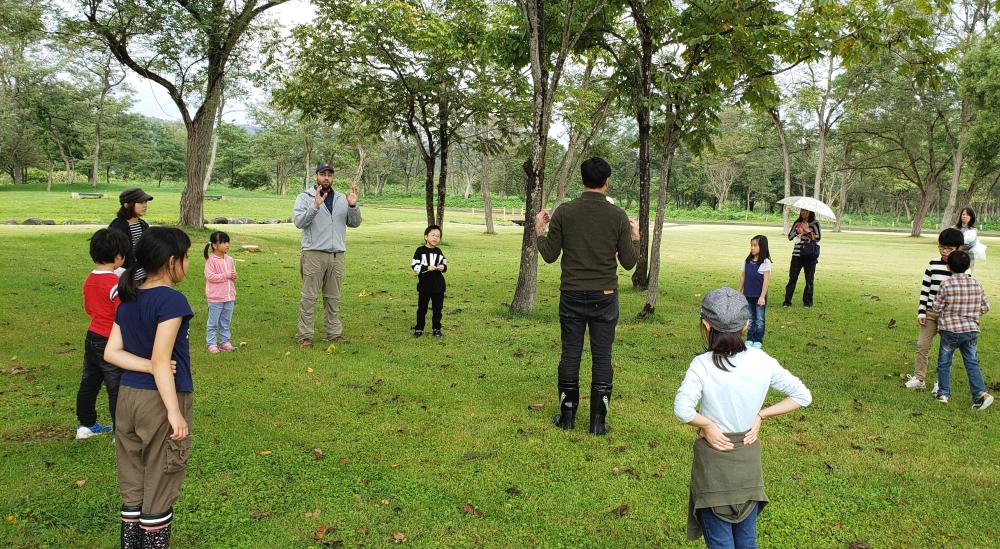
{"x": 960, "y": 302}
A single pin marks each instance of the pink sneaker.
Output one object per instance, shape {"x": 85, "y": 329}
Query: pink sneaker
{"x": 227, "y": 347}
{"x": 213, "y": 348}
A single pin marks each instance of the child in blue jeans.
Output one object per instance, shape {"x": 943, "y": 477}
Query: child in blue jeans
{"x": 755, "y": 276}
{"x": 960, "y": 302}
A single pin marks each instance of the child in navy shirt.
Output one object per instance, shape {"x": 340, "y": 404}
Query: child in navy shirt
{"x": 150, "y": 332}
{"x": 755, "y": 276}
{"x": 430, "y": 265}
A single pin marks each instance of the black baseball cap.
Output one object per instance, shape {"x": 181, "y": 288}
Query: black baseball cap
{"x": 133, "y": 195}
{"x": 323, "y": 167}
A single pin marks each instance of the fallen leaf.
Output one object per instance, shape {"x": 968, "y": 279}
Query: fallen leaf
{"x": 14, "y": 370}
{"x": 11, "y": 519}
{"x": 620, "y": 510}
{"x": 535, "y": 407}
{"x": 653, "y": 444}
{"x": 872, "y": 437}
{"x": 386, "y": 501}
{"x": 656, "y": 335}
{"x": 243, "y": 344}
{"x": 859, "y": 545}
{"x": 393, "y": 465}
{"x": 318, "y": 453}
{"x": 471, "y": 455}
{"x": 261, "y": 514}
{"x": 265, "y": 453}
{"x": 345, "y": 461}
{"x": 468, "y": 508}
{"x": 320, "y": 532}
{"x": 855, "y": 446}
{"x": 81, "y": 482}
{"x": 614, "y": 471}
{"x": 331, "y": 349}
{"x": 310, "y": 370}
{"x": 364, "y": 480}
{"x": 399, "y": 537}
{"x": 836, "y": 526}
{"x": 513, "y": 490}
{"x": 314, "y": 514}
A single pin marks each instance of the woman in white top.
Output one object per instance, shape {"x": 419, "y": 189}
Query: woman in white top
{"x": 731, "y": 382}
{"x": 967, "y": 224}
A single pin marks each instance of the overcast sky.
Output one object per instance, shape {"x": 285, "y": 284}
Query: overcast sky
{"x": 152, "y": 100}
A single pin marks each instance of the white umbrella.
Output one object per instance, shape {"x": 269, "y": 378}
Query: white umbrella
{"x": 821, "y": 210}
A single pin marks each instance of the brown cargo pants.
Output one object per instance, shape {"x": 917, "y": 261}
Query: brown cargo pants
{"x": 151, "y": 467}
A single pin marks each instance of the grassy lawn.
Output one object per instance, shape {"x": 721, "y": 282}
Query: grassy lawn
{"x": 409, "y": 431}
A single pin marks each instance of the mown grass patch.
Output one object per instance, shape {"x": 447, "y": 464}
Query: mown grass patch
{"x": 412, "y": 430}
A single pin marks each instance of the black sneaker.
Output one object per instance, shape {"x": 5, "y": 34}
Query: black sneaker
{"x": 786, "y": 305}
{"x": 437, "y": 333}
{"x": 417, "y": 333}
{"x": 983, "y": 402}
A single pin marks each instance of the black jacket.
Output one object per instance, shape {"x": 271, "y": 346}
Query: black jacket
{"x": 120, "y": 224}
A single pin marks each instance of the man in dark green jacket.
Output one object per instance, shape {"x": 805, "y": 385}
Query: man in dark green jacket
{"x": 593, "y": 236}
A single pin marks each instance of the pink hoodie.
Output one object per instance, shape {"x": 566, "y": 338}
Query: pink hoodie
{"x": 219, "y": 286}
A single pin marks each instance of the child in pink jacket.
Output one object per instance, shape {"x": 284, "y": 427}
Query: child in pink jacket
{"x": 220, "y": 289}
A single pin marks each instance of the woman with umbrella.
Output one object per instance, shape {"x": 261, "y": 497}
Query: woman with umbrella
{"x": 805, "y": 233}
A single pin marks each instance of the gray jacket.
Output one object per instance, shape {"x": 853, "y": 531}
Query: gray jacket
{"x": 322, "y": 230}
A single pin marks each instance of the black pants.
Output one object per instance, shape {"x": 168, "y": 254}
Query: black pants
{"x": 798, "y": 264}
{"x": 578, "y": 311}
{"x": 95, "y": 373}
{"x": 437, "y": 303}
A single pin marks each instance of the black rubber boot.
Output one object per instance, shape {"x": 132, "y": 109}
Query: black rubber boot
{"x": 131, "y": 531}
{"x": 156, "y": 530}
{"x": 569, "y": 401}
{"x": 600, "y": 397}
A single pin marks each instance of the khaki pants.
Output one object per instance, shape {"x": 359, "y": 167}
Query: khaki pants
{"x": 924, "y": 341}
{"x": 320, "y": 270}
{"x": 151, "y": 467}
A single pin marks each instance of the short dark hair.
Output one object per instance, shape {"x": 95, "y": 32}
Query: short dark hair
{"x": 952, "y": 238}
{"x": 595, "y": 172}
{"x": 126, "y": 211}
{"x": 723, "y": 346}
{"x": 430, "y": 228}
{"x": 958, "y": 261}
{"x": 107, "y": 244}
{"x": 972, "y": 217}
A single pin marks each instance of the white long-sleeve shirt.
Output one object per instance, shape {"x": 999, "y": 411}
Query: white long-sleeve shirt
{"x": 732, "y": 399}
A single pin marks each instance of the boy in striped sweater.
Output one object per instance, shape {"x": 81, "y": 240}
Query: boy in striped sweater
{"x": 949, "y": 240}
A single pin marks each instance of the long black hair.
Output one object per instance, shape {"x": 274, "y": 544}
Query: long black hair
{"x": 723, "y": 345}
{"x": 218, "y": 237}
{"x": 812, "y": 216}
{"x": 154, "y": 250}
{"x": 764, "y": 252}
{"x": 972, "y": 217}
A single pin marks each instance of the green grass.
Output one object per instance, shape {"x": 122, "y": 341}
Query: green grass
{"x": 410, "y": 430}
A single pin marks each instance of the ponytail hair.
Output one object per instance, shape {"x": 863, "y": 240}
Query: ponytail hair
{"x": 153, "y": 251}
{"x": 218, "y": 237}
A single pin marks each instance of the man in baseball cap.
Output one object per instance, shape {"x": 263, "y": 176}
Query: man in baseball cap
{"x": 323, "y": 215}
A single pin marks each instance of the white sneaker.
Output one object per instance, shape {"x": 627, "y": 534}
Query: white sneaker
{"x": 84, "y": 432}
{"x": 914, "y": 383}
{"x": 934, "y": 391}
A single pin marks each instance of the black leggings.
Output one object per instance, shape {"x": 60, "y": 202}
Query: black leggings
{"x": 799, "y": 264}
{"x": 438, "y": 303}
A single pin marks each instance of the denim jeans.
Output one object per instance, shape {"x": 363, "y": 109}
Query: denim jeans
{"x": 966, "y": 343}
{"x": 798, "y": 265}
{"x": 437, "y": 303}
{"x": 755, "y": 331}
{"x": 579, "y": 310}
{"x": 96, "y": 371}
{"x": 720, "y": 534}
{"x": 220, "y": 316}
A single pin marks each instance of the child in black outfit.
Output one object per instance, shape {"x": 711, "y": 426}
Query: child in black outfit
{"x": 430, "y": 265}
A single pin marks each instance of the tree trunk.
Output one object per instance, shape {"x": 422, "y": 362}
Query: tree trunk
{"x": 485, "y": 187}
{"x": 948, "y": 217}
{"x": 48, "y": 188}
{"x": 95, "y": 170}
{"x": 926, "y": 200}
{"x": 362, "y": 160}
{"x": 653, "y": 286}
{"x": 199, "y": 141}
{"x": 640, "y": 278}
{"x": 527, "y": 278}
{"x": 16, "y": 173}
{"x": 786, "y": 163}
{"x": 429, "y": 188}
{"x": 442, "y": 182}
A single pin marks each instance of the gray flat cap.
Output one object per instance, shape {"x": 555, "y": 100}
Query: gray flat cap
{"x": 725, "y": 310}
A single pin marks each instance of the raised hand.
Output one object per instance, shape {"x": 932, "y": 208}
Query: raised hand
{"x": 541, "y": 220}
{"x": 352, "y": 198}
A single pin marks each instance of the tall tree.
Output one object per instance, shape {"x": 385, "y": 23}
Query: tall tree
{"x": 186, "y": 48}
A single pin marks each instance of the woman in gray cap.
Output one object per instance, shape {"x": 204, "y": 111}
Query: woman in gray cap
{"x": 129, "y": 221}
{"x": 731, "y": 381}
